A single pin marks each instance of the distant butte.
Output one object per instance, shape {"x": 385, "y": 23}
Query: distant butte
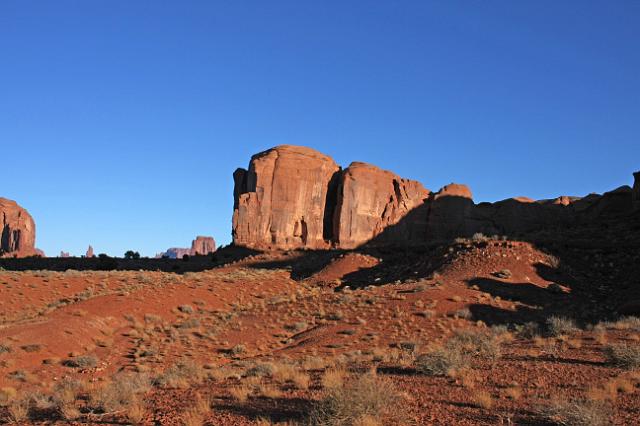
{"x": 200, "y": 246}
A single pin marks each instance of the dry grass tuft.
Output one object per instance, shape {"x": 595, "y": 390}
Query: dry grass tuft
{"x": 561, "y": 326}
{"x": 365, "y": 396}
{"x": 18, "y": 410}
{"x": 623, "y": 356}
{"x": 240, "y": 393}
{"x": 334, "y": 378}
{"x": 575, "y": 413}
{"x": 136, "y": 411}
{"x": 192, "y": 417}
{"x": 482, "y": 399}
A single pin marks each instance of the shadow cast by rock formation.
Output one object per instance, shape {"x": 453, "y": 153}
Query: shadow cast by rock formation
{"x": 223, "y": 256}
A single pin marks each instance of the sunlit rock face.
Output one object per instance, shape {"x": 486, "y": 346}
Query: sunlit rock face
{"x": 18, "y": 229}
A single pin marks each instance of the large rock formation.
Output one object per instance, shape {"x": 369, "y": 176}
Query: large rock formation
{"x": 372, "y": 202}
{"x": 450, "y": 213}
{"x": 203, "y": 246}
{"x": 281, "y": 200}
{"x": 18, "y": 230}
{"x": 295, "y": 197}
{"x": 89, "y": 254}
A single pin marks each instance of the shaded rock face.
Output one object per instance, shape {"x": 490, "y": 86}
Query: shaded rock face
{"x": 371, "y": 200}
{"x": 18, "y": 230}
{"x": 636, "y": 191}
{"x": 203, "y": 246}
{"x": 295, "y": 197}
{"x": 280, "y": 201}
{"x": 450, "y": 213}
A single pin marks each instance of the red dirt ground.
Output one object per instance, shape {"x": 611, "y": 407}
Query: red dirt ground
{"x": 363, "y": 309}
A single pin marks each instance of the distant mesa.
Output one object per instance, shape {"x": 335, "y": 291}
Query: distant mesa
{"x": 294, "y": 197}
{"x": 64, "y": 254}
{"x": 200, "y": 246}
{"x": 18, "y": 231}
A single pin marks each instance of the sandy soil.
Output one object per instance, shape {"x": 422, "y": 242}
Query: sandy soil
{"x": 363, "y": 310}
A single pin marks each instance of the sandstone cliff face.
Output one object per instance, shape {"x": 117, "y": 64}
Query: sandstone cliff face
{"x": 450, "y": 213}
{"x": 281, "y": 200}
{"x": 371, "y": 203}
{"x": 203, "y": 246}
{"x": 18, "y": 230}
{"x": 295, "y": 197}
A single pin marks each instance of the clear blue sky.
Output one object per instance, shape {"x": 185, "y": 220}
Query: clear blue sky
{"x": 122, "y": 121}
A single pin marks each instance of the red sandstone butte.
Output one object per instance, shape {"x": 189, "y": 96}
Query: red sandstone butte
{"x": 280, "y": 201}
{"x": 203, "y": 246}
{"x": 18, "y": 230}
{"x": 370, "y": 200}
{"x": 295, "y": 197}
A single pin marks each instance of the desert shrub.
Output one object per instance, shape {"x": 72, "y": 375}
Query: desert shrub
{"x": 19, "y": 410}
{"x": 296, "y": 327}
{"x": 188, "y": 324}
{"x": 456, "y": 353}
{"x": 623, "y": 356}
{"x": 575, "y": 413}
{"x": 186, "y": 309}
{"x": 482, "y": 399}
{"x": 120, "y": 393}
{"x": 464, "y": 313}
{"x": 4, "y": 349}
{"x": 333, "y": 378}
{"x": 179, "y": 376}
{"x": 625, "y": 323}
{"x": 240, "y": 393}
{"x": 366, "y": 396}
{"x": 441, "y": 361}
{"x": 479, "y": 237}
{"x": 238, "y": 349}
{"x": 83, "y": 361}
{"x": 561, "y": 326}
{"x": 528, "y": 330}
{"x": 264, "y": 369}
{"x": 475, "y": 343}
